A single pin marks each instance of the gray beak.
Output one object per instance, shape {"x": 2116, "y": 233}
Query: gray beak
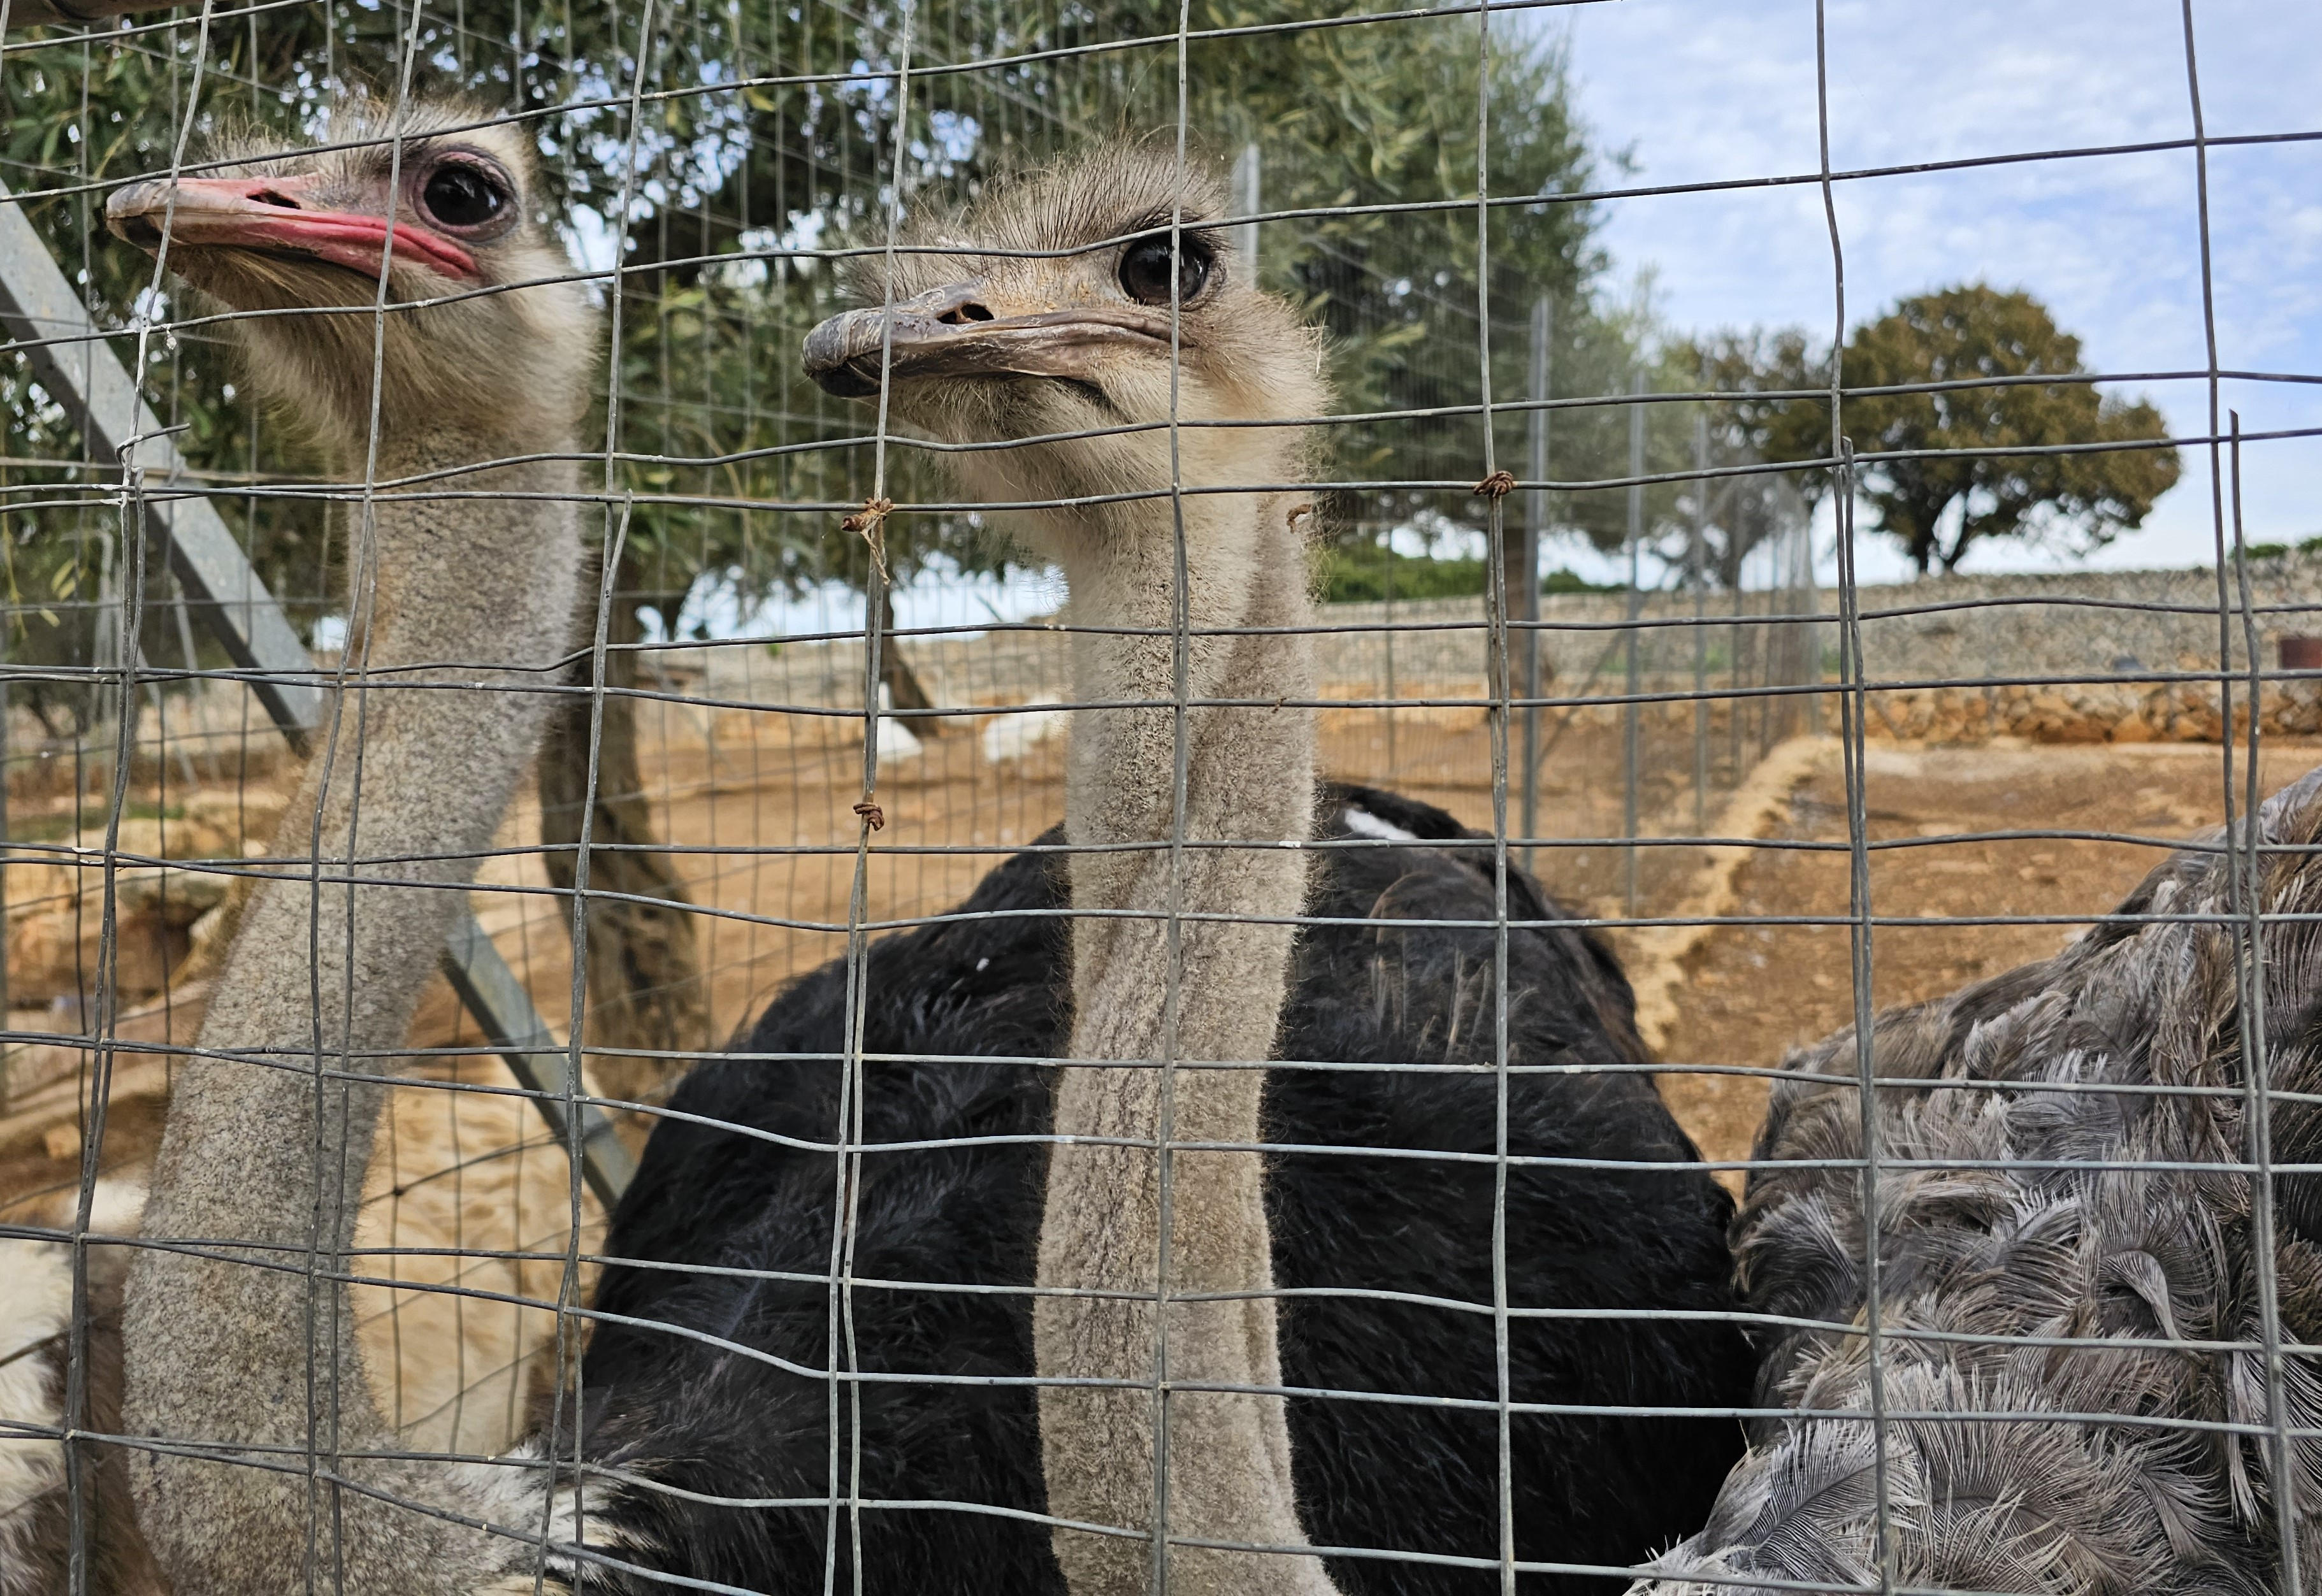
{"x": 951, "y": 332}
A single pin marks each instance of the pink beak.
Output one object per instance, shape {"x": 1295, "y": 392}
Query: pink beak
{"x": 273, "y": 214}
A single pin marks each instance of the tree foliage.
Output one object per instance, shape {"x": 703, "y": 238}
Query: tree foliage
{"x": 1718, "y": 505}
{"x": 1943, "y": 470}
{"x": 764, "y": 132}
{"x": 750, "y": 155}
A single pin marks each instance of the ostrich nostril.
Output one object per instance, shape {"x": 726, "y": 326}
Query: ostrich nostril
{"x": 274, "y": 197}
{"x": 961, "y": 314}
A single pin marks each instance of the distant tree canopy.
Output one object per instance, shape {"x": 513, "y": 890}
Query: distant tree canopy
{"x": 2045, "y": 462}
{"x": 750, "y": 156}
{"x": 1701, "y": 528}
{"x": 1368, "y": 573}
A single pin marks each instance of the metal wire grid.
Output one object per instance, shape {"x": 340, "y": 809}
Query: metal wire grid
{"x": 816, "y": 723}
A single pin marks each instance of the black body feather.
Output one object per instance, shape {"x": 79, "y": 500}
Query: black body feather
{"x": 708, "y": 1417}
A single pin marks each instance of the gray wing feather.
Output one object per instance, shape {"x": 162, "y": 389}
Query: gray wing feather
{"x": 2134, "y": 1465}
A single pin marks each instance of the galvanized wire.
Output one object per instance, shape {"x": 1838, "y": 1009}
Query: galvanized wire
{"x": 799, "y": 712}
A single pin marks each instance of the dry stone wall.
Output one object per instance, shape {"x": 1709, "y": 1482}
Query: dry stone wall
{"x": 2117, "y": 656}
{"x": 2086, "y": 656}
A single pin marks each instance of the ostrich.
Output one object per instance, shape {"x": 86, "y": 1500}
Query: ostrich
{"x": 683, "y": 1437}
{"x": 1100, "y": 336}
{"x": 238, "y": 1338}
{"x": 714, "y": 1312}
{"x": 2125, "y": 1050}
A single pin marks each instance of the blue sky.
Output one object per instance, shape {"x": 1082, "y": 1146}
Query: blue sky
{"x": 1714, "y": 89}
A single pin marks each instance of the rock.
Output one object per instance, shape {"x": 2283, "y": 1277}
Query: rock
{"x": 58, "y": 953}
{"x": 56, "y": 908}
{"x": 177, "y": 897}
{"x": 1008, "y": 737}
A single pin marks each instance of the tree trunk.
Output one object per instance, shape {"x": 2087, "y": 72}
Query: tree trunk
{"x": 1528, "y": 672}
{"x": 902, "y": 683}
{"x": 644, "y": 984}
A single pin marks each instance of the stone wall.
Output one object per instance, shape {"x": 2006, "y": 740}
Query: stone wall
{"x": 2080, "y": 626}
{"x": 2081, "y": 656}
{"x": 2120, "y": 656}
{"x": 1432, "y": 648}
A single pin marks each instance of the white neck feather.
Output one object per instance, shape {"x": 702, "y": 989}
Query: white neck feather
{"x": 246, "y": 1342}
{"x": 1249, "y": 775}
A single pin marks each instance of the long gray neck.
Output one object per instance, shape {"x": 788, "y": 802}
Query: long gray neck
{"x": 1249, "y": 778}
{"x": 243, "y": 1347}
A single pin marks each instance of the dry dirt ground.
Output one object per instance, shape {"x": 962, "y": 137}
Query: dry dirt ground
{"x": 1745, "y": 993}
{"x": 767, "y": 819}
{"x": 1750, "y": 992}
{"x": 765, "y": 824}
{"x": 767, "y": 832}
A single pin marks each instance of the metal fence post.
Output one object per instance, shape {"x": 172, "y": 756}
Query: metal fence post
{"x": 1802, "y": 569}
{"x": 1699, "y": 561}
{"x": 1535, "y": 526}
{"x": 1244, "y": 186}
{"x": 1629, "y": 718}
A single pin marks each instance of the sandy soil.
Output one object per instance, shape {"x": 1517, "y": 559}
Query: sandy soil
{"x": 766, "y": 826}
{"x": 770, "y": 827}
{"x": 1747, "y": 993}
{"x": 1752, "y": 992}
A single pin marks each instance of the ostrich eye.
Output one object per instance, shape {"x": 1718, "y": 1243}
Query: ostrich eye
{"x": 459, "y": 195}
{"x": 1144, "y": 268}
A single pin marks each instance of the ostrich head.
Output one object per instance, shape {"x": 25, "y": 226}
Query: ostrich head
{"x": 483, "y": 334}
{"x": 1048, "y": 308}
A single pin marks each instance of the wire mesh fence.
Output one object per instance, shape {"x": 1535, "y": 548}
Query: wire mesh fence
{"x": 977, "y": 797}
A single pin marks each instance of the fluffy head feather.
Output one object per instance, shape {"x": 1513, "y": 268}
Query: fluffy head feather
{"x": 1046, "y": 305}
{"x": 483, "y": 332}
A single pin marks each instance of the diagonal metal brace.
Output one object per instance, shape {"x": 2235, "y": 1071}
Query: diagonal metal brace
{"x": 66, "y": 352}
{"x": 503, "y": 1010}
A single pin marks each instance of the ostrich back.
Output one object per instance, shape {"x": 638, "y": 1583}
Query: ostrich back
{"x": 2124, "y": 1050}
{"x": 727, "y": 1402}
